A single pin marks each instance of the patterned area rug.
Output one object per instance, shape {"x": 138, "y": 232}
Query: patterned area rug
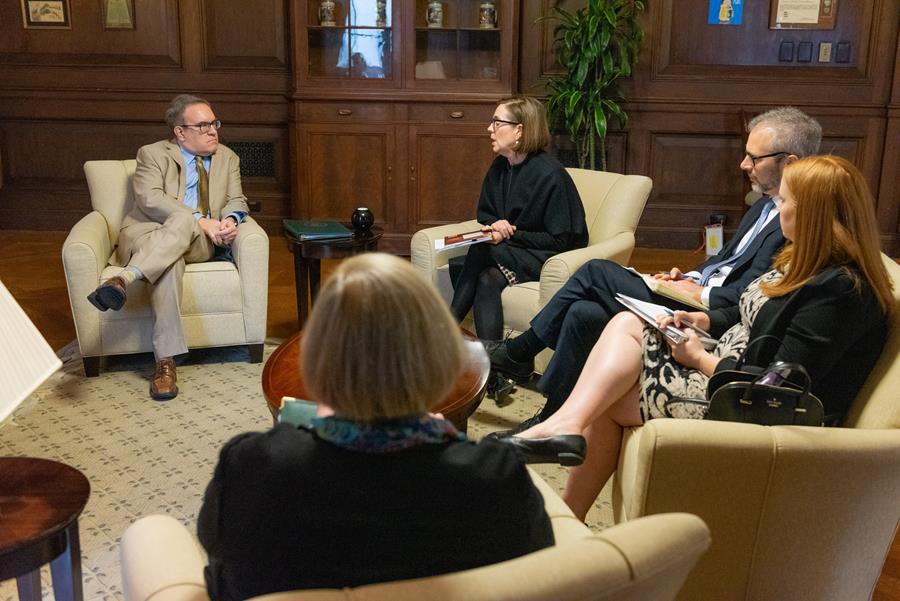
{"x": 145, "y": 457}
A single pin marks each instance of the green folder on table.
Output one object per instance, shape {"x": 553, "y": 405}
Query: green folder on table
{"x": 298, "y": 412}
{"x": 314, "y": 229}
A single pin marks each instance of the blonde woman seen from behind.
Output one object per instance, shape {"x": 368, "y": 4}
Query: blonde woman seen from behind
{"x": 377, "y": 489}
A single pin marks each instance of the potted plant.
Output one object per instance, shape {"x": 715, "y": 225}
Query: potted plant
{"x": 597, "y": 46}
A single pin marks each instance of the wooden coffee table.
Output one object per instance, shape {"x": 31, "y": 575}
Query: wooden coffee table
{"x": 308, "y": 257}
{"x": 40, "y": 501}
{"x": 281, "y": 377}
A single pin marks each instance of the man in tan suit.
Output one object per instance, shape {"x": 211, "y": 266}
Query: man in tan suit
{"x": 187, "y": 203}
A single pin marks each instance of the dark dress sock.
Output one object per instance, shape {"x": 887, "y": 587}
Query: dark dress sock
{"x": 525, "y": 346}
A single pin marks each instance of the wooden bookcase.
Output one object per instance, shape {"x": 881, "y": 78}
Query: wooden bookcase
{"x": 393, "y": 115}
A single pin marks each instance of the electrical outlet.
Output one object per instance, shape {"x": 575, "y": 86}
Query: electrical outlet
{"x": 825, "y": 52}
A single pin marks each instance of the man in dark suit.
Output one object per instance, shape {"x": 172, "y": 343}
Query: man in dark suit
{"x": 573, "y": 319}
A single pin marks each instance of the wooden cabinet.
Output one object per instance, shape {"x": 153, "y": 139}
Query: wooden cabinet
{"x": 391, "y": 107}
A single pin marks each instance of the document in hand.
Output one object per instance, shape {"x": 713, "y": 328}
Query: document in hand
{"x": 650, "y": 311}
{"x": 664, "y": 288}
{"x": 460, "y": 240}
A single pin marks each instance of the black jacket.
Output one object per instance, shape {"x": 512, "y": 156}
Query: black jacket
{"x": 286, "y": 510}
{"x": 833, "y": 330}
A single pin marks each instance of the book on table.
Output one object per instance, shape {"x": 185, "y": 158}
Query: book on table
{"x": 650, "y": 311}
{"x": 316, "y": 229}
{"x": 664, "y": 288}
{"x": 461, "y": 240}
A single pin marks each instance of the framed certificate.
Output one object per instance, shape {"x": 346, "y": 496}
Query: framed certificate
{"x": 117, "y": 14}
{"x": 802, "y": 14}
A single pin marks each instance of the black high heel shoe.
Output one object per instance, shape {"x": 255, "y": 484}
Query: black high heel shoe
{"x": 567, "y": 449}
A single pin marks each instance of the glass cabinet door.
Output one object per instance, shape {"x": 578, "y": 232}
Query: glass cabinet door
{"x": 458, "y": 39}
{"x": 350, "y": 39}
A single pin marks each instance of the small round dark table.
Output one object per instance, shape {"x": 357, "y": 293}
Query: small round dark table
{"x": 308, "y": 255}
{"x": 281, "y": 377}
{"x": 40, "y": 501}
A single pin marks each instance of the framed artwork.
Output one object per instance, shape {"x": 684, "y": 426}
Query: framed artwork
{"x": 802, "y": 14}
{"x": 117, "y": 14}
{"x": 46, "y": 14}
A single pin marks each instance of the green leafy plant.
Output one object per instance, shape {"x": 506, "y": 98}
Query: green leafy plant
{"x": 597, "y": 46}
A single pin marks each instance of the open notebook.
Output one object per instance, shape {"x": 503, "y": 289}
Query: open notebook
{"x": 26, "y": 359}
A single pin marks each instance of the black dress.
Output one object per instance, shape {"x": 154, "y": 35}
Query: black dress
{"x": 538, "y": 197}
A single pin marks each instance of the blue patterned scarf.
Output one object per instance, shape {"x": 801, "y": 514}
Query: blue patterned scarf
{"x": 385, "y": 436}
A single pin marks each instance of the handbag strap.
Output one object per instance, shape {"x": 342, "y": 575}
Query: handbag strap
{"x": 740, "y": 361}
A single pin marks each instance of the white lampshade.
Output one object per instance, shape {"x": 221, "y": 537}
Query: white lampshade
{"x": 26, "y": 359}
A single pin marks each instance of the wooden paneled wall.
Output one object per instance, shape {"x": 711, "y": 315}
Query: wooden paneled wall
{"x": 73, "y": 95}
{"x": 68, "y": 96}
{"x": 696, "y": 84}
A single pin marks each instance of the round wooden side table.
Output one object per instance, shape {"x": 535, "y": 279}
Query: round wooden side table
{"x": 40, "y": 501}
{"x": 281, "y": 377}
{"x": 308, "y": 255}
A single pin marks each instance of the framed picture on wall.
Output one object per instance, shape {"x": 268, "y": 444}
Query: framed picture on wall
{"x": 802, "y": 14}
{"x": 117, "y": 14}
{"x": 46, "y": 14}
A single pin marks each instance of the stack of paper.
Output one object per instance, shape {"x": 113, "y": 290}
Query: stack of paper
{"x": 460, "y": 240}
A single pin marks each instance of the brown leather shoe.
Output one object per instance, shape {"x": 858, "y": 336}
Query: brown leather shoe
{"x": 109, "y": 295}
{"x": 162, "y": 386}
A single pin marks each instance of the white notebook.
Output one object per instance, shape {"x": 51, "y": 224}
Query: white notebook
{"x": 26, "y": 360}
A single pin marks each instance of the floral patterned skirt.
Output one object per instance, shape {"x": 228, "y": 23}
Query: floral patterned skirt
{"x": 669, "y": 389}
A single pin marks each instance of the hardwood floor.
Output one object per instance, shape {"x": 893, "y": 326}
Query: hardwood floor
{"x": 31, "y": 268}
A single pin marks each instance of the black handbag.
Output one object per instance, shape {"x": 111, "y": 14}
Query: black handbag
{"x": 769, "y": 399}
{"x": 772, "y": 396}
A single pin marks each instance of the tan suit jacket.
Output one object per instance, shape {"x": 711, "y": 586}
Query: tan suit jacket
{"x": 159, "y": 184}
{"x": 160, "y": 235}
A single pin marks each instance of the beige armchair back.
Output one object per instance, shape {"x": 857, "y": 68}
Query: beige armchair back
{"x": 646, "y": 560}
{"x": 223, "y": 304}
{"x": 613, "y": 204}
{"x": 795, "y": 512}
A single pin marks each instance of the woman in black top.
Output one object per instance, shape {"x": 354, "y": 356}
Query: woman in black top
{"x": 529, "y": 205}
{"x": 376, "y": 489}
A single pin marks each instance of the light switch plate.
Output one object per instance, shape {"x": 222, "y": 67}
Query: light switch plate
{"x": 825, "y": 52}
{"x": 786, "y": 52}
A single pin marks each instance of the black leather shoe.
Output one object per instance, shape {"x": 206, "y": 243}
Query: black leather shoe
{"x": 525, "y": 425}
{"x": 567, "y": 449}
{"x": 109, "y": 295}
{"x": 499, "y": 389}
{"x": 501, "y": 361}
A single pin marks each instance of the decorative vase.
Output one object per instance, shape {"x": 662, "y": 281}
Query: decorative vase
{"x": 380, "y": 13}
{"x": 362, "y": 220}
{"x": 434, "y": 16}
{"x": 326, "y": 13}
{"x": 487, "y": 15}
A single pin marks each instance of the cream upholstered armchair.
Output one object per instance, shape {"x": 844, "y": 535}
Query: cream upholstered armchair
{"x": 223, "y": 304}
{"x": 795, "y": 512}
{"x": 613, "y": 204}
{"x": 642, "y": 561}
